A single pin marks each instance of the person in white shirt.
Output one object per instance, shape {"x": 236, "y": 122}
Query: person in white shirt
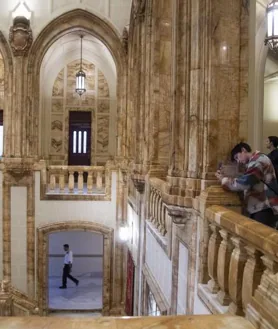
{"x": 67, "y": 267}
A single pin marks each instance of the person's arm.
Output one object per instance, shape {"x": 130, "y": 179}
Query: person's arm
{"x": 251, "y": 177}
{"x": 70, "y": 258}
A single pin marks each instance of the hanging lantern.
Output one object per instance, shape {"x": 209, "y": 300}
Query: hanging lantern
{"x": 272, "y": 25}
{"x": 80, "y": 76}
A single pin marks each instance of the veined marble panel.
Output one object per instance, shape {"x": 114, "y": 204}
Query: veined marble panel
{"x": 72, "y": 69}
{"x": 103, "y": 106}
{"x": 73, "y": 98}
{"x": 103, "y": 89}
{"x": 57, "y": 105}
{"x": 88, "y": 99}
{"x": 57, "y": 122}
{"x": 102, "y": 134}
{"x": 58, "y": 88}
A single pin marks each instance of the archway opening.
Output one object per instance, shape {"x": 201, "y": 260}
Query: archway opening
{"x": 82, "y": 288}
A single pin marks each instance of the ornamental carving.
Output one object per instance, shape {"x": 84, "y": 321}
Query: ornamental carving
{"x": 20, "y": 36}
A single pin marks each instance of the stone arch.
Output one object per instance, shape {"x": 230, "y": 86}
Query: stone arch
{"x": 6, "y": 53}
{"x": 42, "y": 252}
{"x": 75, "y": 20}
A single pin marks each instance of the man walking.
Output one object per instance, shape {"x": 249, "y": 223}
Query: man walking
{"x": 258, "y": 183}
{"x": 67, "y": 267}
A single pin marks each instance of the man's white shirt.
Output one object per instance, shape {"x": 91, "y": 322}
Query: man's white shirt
{"x": 68, "y": 257}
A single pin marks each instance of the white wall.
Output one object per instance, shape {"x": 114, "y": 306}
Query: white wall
{"x": 18, "y": 237}
{"x": 82, "y": 244}
{"x": 270, "y": 125}
{"x": 117, "y": 12}
{"x": 159, "y": 264}
{"x": 182, "y": 279}
{"x": 103, "y": 212}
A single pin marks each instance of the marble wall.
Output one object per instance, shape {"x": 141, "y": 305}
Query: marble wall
{"x": 95, "y": 100}
{"x": 2, "y": 76}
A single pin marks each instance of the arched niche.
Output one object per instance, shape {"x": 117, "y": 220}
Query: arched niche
{"x": 6, "y": 102}
{"x": 74, "y": 21}
{"x": 42, "y": 259}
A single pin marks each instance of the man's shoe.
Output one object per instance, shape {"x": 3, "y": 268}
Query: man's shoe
{"x": 63, "y": 287}
{"x": 77, "y": 283}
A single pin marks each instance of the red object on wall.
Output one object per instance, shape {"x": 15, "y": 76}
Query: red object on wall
{"x": 129, "y": 285}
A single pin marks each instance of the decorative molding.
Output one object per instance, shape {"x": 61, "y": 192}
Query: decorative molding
{"x": 20, "y": 36}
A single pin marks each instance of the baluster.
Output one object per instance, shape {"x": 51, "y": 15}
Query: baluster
{"x": 213, "y": 247}
{"x": 151, "y": 205}
{"x": 61, "y": 181}
{"x": 237, "y": 263}
{"x": 52, "y": 182}
{"x": 160, "y": 228}
{"x": 80, "y": 182}
{"x": 71, "y": 181}
{"x": 265, "y": 296}
{"x": 90, "y": 182}
{"x": 99, "y": 180}
{"x": 224, "y": 256}
{"x": 252, "y": 274}
{"x": 107, "y": 181}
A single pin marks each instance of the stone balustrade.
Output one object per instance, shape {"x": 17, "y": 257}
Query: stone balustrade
{"x": 239, "y": 266}
{"x": 157, "y": 210}
{"x": 78, "y": 180}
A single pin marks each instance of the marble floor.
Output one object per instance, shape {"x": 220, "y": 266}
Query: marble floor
{"x": 87, "y": 296}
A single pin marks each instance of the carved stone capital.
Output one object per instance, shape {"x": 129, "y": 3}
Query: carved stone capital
{"x": 179, "y": 215}
{"x": 20, "y": 36}
{"x": 139, "y": 183}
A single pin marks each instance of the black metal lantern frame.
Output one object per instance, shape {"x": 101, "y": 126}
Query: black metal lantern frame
{"x": 80, "y": 76}
{"x": 272, "y": 26}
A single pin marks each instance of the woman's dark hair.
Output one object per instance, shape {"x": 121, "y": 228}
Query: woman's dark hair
{"x": 66, "y": 245}
{"x": 273, "y": 140}
{"x": 238, "y": 148}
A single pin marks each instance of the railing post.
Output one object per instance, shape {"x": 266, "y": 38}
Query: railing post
{"x": 252, "y": 274}
{"x": 62, "y": 181}
{"x": 224, "y": 256}
{"x": 52, "y": 181}
{"x": 237, "y": 263}
{"x": 213, "y": 247}
{"x": 99, "y": 179}
{"x": 80, "y": 182}
{"x": 71, "y": 181}
{"x": 90, "y": 182}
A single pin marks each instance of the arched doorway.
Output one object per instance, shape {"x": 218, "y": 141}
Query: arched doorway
{"x": 42, "y": 259}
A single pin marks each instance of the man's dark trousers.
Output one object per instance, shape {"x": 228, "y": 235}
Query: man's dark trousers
{"x": 66, "y": 274}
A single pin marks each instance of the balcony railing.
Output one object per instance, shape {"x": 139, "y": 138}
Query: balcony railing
{"x": 238, "y": 266}
{"x": 62, "y": 180}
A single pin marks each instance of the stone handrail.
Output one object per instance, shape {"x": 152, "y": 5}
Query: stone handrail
{"x": 239, "y": 266}
{"x": 61, "y": 179}
{"x": 165, "y": 322}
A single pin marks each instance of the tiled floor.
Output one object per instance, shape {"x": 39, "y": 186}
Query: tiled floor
{"x": 87, "y": 296}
